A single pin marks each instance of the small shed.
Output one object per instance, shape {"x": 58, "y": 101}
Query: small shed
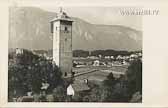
{"x": 19, "y": 51}
{"x": 96, "y": 63}
{"x": 77, "y": 87}
{"x": 70, "y": 90}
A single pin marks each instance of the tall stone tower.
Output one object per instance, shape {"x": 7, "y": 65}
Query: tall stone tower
{"x": 61, "y": 27}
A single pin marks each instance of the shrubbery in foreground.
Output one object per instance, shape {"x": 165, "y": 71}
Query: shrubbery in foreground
{"x": 27, "y": 72}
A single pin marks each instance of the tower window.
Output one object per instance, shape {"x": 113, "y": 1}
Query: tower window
{"x": 66, "y": 29}
{"x": 51, "y": 27}
{"x": 65, "y": 74}
{"x": 55, "y": 28}
{"x": 65, "y": 39}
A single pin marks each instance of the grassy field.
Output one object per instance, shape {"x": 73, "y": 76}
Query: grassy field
{"x": 100, "y": 74}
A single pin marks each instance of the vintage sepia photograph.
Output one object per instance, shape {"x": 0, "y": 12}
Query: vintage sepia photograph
{"x": 75, "y": 54}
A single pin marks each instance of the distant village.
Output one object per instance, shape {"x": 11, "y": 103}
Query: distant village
{"x": 106, "y": 60}
{"x": 90, "y": 60}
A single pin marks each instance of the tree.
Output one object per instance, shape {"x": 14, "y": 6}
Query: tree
{"x": 27, "y": 72}
{"x": 107, "y": 88}
{"x": 110, "y": 80}
{"x": 134, "y": 77}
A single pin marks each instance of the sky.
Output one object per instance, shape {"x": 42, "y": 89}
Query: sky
{"x": 101, "y": 15}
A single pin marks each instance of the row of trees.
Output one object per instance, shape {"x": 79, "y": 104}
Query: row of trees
{"x": 82, "y": 53}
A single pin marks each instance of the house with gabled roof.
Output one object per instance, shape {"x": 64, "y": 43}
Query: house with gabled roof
{"x": 77, "y": 87}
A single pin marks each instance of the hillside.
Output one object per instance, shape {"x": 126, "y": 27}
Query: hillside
{"x": 29, "y": 28}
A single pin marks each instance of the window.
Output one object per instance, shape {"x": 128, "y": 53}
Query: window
{"x": 65, "y": 74}
{"x": 65, "y": 39}
{"x": 66, "y": 29}
{"x": 55, "y": 28}
{"x": 51, "y": 27}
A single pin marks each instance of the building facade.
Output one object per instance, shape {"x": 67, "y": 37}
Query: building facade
{"x": 61, "y": 27}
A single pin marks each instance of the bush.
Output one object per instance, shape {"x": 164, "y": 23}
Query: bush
{"x": 59, "y": 94}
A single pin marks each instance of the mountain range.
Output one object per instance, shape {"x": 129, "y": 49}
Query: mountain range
{"x": 29, "y": 28}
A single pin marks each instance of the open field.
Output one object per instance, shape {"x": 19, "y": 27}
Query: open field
{"x": 99, "y": 73}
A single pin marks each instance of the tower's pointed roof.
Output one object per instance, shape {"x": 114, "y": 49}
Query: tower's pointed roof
{"x": 61, "y": 16}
